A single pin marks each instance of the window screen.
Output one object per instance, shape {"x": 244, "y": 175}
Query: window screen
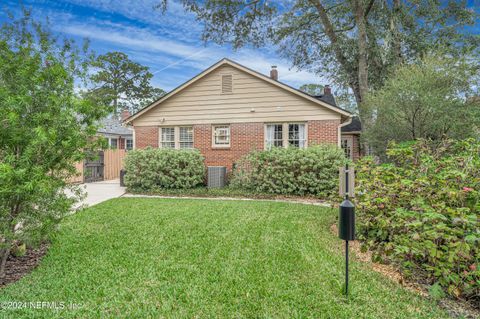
{"x": 186, "y": 137}
{"x": 168, "y": 137}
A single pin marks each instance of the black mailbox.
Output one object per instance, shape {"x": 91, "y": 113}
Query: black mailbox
{"x": 346, "y": 221}
{"x": 122, "y": 178}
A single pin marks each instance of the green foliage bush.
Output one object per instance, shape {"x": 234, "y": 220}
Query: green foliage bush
{"x": 421, "y": 212}
{"x": 425, "y": 100}
{"x": 45, "y": 128}
{"x": 151, "y": 168}
{"x": 291, "y": 171}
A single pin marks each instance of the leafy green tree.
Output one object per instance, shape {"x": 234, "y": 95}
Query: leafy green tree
{"x": 433, "y": 99}
{"x": 44, "y": 129}
{"x": 123, "y": 82}
{"x": 356, "y": 42}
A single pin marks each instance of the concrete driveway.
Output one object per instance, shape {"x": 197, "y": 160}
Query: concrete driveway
{"x": 101, "y": 191}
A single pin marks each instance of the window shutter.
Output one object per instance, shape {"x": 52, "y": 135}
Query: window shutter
{"x": 227, "y": 86}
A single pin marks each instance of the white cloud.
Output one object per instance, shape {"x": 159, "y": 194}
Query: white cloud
{"x": 134, "y": 38}
{"x": 170, "y": 44}
{"x": 176, "y": 22}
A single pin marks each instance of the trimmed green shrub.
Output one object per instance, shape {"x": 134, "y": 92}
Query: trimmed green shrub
{"x": 150, "y": 168}
{"x": 291, "y": 171}
{"x": 421, "y": 212}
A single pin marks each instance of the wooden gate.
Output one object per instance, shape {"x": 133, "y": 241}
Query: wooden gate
{"x": 113, "y": 160}
{"x": 93, "y": 167}
{"x": 100, "y": 166}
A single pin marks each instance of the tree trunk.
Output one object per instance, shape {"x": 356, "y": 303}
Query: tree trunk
{"x": 395, "y": 33}
{"x": 359, "y": 81}
{"x": 362, "y": 49}
{"x": 4, "y": 255}
{"x": 115, "y": 106}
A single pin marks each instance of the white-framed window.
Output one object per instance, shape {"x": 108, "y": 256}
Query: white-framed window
{"x": 296, "y": 135}
{"x": 113, "y": 143}
{"x": 347, "y": 147}
{"x": 185, "y": 139}
{"x": 285, "y": 135}
{"x": 178, "y": 137}
{"x": 274, "y": 135}
{"x": 221, "y": 136}
{"x": 129, "y": 144}
{"x": 167, "y": 137}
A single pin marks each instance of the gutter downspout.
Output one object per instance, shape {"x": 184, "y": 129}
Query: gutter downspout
{"x": 340, "y": 130}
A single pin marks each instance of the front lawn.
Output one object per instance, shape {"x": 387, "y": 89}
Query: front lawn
{"x": 228, "y": 191}
{"x": 151, "y": 258}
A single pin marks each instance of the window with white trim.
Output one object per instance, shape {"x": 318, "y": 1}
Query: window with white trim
{"x": 168, "y": 137}
{"x": 178, "y": 137}
{"x": 274, "y": 135}
{"x": 185, "y": 137}
{"x": 113, "y": 143}
{"x": 296, "y": 135}
{"x": 129, "y": 144}
{"x": 347, "y": 147}
{"x": 285, "y": 135}
{"x": 221, "y": 136}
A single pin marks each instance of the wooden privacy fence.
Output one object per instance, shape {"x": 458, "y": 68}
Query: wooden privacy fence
{"x": 79, "y": 177}
{"x": 113, "y": 163}
{"x": 107, "y": 166}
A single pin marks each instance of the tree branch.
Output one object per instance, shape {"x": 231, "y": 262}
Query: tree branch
{"x": 329, "y": 31}
{"x": 368, "y": 8}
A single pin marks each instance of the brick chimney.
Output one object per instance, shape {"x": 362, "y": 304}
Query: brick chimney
{"x": 274, "y": 73}
{"x": 125, "y": 113}
{"x": 327, "y": 90}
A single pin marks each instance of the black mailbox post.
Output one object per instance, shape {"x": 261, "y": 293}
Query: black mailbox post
{"x": 346, "y": 217}
{"x": 346, "y": 221}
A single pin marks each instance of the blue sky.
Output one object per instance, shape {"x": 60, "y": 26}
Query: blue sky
{"x": 169, "y": 44}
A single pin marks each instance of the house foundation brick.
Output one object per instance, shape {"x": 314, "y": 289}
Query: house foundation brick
{"x": 244, "y": 138}
{"x": 320, "y": 132}
{"x": 146, "y": 136}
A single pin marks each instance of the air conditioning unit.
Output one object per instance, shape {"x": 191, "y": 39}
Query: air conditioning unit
{"x": 217, "y": 176}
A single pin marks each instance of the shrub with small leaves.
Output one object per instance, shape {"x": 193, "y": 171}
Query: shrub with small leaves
{"x": 149, "y": 169}
{"x": 421, "y": 211}
{"x": 291, "y": 171}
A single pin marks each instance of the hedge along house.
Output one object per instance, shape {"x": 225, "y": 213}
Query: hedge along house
{"x": 229, "y": 110}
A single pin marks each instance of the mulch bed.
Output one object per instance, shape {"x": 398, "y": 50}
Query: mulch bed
{"x": 17, "y": 267}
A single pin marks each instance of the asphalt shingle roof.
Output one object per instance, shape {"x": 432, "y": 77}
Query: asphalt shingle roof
{"x": 113, "y": 126}
{"x": 355, "y": 126}
{"x": 327, "y": 98}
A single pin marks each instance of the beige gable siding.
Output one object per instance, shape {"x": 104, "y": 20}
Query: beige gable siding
{"x": 251, "y": 100}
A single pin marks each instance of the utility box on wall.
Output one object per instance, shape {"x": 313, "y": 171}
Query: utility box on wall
{"x": 216, "y": 176}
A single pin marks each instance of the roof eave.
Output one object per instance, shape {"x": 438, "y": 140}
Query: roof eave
{"x": 345, "y": 114}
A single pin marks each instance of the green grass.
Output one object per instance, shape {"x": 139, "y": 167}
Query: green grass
{"x": 227, "y": 191}
{"x": 153, "y": 258}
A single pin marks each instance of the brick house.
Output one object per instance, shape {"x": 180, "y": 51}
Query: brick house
{"x": 228, "y": 110}
{"x": 117, "y": 135}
